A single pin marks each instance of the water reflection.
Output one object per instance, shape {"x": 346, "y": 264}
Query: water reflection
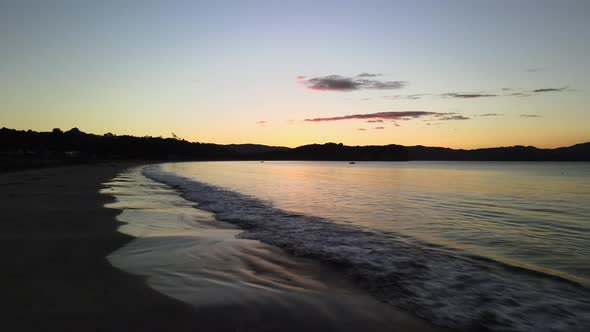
{"x": 532, "y": 214}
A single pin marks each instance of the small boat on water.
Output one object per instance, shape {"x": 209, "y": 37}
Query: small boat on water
{"x": 352, "y": 163}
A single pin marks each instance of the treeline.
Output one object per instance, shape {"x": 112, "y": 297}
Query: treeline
{"x": 26, "y": 148}
{"x": 60, "y": 144}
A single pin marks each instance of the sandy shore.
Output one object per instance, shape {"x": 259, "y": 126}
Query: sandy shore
{"x": 56, "y": 235}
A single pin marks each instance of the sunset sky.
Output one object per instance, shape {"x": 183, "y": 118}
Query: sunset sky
{"x": 461, "y": 74}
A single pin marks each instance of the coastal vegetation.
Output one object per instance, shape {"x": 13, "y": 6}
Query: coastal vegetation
{"x": 30, "y": 149}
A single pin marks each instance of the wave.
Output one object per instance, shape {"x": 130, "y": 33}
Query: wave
{"x": 445, "y": 286}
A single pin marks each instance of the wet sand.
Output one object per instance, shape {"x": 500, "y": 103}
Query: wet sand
{"x": 56, "y": 235}
{"x": 188, "y": 254}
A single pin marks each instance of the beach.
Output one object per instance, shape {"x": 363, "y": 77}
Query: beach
{"x": 56, "y": 235}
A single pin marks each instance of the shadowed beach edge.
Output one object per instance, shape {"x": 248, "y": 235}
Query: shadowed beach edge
{"x": 55, "y": 235}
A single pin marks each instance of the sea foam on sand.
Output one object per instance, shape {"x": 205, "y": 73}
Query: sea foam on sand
{"x": 236, "y": 283}
{"x": 446, "y": 286}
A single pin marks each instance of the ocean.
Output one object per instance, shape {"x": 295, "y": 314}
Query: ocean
{"x": 501, "y": 245}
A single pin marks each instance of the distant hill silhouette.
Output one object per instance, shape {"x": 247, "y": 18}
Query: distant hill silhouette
{"x": 578, "y": 152}
{"x": 333, "y": 151}
{"x": 253, "y": 149}
{"x": 23, "y": 149}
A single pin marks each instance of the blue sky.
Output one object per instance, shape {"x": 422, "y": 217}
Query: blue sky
{"x": 227, "y": 71}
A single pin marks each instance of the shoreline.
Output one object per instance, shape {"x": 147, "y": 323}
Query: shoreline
{"x": 56, "y": 234}
{"x": 188, "y": 254}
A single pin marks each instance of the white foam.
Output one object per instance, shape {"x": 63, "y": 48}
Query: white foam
{"x": 444, "y": 286}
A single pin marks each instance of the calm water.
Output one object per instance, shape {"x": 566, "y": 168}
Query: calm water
{"x": 455, "y": 242}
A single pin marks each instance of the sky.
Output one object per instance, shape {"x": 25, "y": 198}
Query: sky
{"x": 461, "y": 74}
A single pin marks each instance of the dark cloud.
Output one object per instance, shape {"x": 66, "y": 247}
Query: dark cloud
{"x": 491, "y": 114}
{"x": 520, "y": 94}
{"x": 453, "y": 117}
{"x": 467, "y": 95}
{"x": 262, "y": 122}
{"x": 375, "y": 117}
{"x": 504, "y": 92}
{"x": 333, "y": 82}
{"x": 530, "y": 116}
{"x": 379, "y": 128}
{"x": 368, "y": 75}
{"x": 410, "y": 97}
{"x": 541, "y": 90}
{"x": 361, "y": 129}
{"x": 380, "y": 115}
{"x": 550, "y": 89}
{"x": 341, "y": 83}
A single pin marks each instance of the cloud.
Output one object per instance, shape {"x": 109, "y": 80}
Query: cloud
{"x": 341, "y": 83}
{"x": 361, "y": 129}
{"x": 492, "y": 114}
{"x": 520, "y": 94}
{"x": 379, "y": 128}
{"x": 375, "y": 117}
{"x": 550, "y": 89}
{"x": 503, "y": 92}
{"x": 261, "y": 122}
{"x": 467, "y": 95}
{"x": 368, "y": 75}
{"x": 541, "y": 90}
{"x": 454, "y": 117}
{"x": 530, "y": 116}
{"x": 409, "y": 97}
{"x": 380, "y": 115}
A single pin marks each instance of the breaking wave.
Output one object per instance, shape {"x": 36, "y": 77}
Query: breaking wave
{"x": 443, "y": 285}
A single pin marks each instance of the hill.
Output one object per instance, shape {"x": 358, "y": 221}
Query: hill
{"x": 578, "y": 152}
{"x": 333, "y": 151}
{"x": 24, "y": 149}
